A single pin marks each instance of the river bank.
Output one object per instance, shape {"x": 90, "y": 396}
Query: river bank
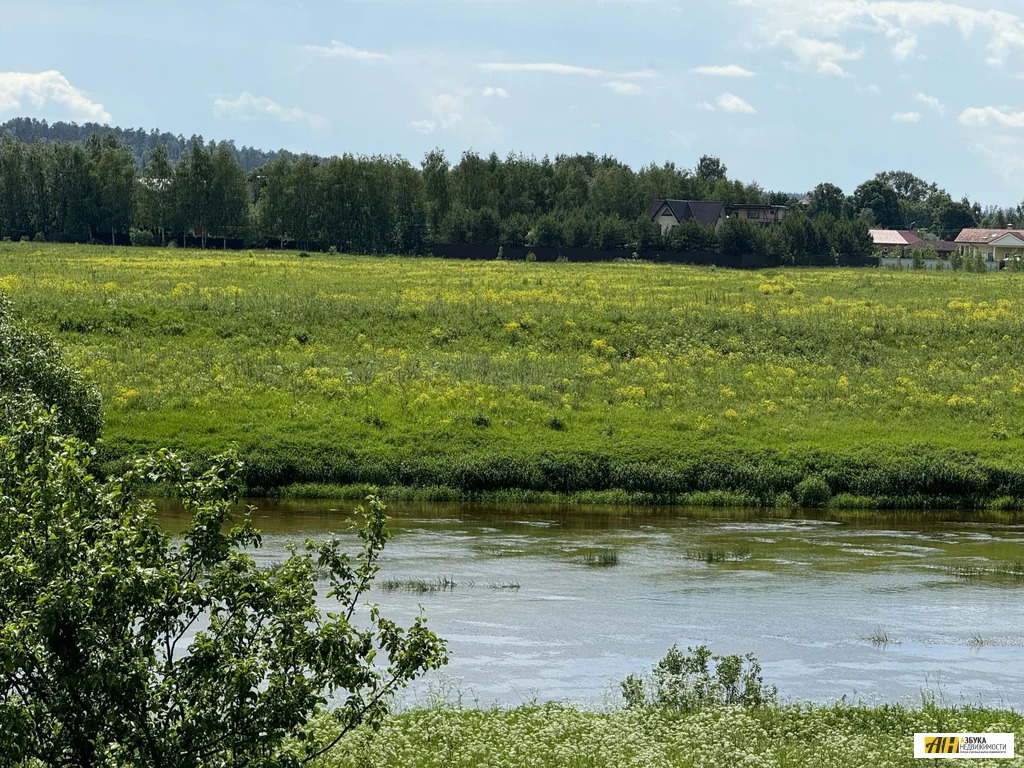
{"x": 638, "y": 383}
{"x": 838, "y": 736}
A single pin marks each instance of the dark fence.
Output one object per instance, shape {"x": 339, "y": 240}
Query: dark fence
{"x": 703, "y": 258}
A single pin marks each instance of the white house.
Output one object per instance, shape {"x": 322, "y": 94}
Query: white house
{"x": 993, "y": 245}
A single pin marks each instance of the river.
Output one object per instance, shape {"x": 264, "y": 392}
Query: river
{"x": 814, "y": 597}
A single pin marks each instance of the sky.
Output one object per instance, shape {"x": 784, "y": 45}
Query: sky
{"x": 789, "y": 93}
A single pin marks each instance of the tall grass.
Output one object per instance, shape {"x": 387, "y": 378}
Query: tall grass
{"x": 613, "y": 383}
{"x": 601, "y": 558}
{"x": 419, "y": 586}
{"x": 712, "y": 555}
{"x": 553, "y": 736}
{"x": 997, "y": 573}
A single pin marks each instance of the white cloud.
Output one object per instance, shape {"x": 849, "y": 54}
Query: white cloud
{"x": 447, "y": 109}
{"x": 423, "y": 126}
{"x": 931, "y": 101}
{"x": 550, "y": 68}
{"x": 337, "y": 50}
{"x": 873, "y": 89}
{"x": 823, "y": 56}
{"x": 979, "y": 117}
{"x": 904, "y": 47}
{"x": 728, "y": 102}
{"x": 907, "y": 117}
{"x": 553, "y": 68}
{"x": 727, "y": 70}
{"x": 491, "y": 90}
{"x": 623, "y": 88}
{"x": 897, "y": 21}
{"x": 249, "y": 107}
{"x": 1004, "y": 155}
{"x": 455, "y": 111}
{"x": 40, "y": 88}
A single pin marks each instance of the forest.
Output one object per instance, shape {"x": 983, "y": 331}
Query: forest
{"x": 123, "y": 187}
{"x": 140, "y": 141}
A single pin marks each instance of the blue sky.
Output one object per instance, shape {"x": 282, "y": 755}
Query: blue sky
{"x": 787, "y": 92}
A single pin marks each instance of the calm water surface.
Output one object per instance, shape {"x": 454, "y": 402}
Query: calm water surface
{"x": 802, "y": 594}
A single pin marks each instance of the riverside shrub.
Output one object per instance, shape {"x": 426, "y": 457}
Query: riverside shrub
{"x": 698, "y": 679}
{"x": 97, "y": 604}
{"x": 33, "y": 374}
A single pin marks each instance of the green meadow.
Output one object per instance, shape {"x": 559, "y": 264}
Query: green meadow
{"x": 771, "y": 737}
{"x": 617, "y": 383}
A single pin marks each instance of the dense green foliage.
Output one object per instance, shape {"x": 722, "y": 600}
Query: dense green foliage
{"x": 698, "y": 680}
{"x": 68, "y": 192}
{"x": 598, "y": 382}
{"x": 142, "y": 143}
{"x": 32, "y": 375}
{"x": 555, "y": 736}
{"x": 96, "y": 605}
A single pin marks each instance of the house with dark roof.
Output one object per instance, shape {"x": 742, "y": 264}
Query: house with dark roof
{"x": 669, "y": 213}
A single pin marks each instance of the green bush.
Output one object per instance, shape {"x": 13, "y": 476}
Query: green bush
{"x": 33, "y": 374}
{"x": 95, "y": 600}
{"x": 699, "y": 680}
{"x": 812, "y": 492}
{"x": 141, "y": 237}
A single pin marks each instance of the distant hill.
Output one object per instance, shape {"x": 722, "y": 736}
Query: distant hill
{"x": 28, "y": 129}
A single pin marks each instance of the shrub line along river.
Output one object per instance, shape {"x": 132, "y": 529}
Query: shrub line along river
{"x": 556, "y": 603}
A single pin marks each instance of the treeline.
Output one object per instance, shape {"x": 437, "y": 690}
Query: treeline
{"x": 487, "y": 199}
{"x": 55, "y": 188}
{"x": 140, "y": 142}
{"x": 64, "y": 191}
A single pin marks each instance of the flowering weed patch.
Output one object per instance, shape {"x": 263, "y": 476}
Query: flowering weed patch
{"x": 616, "y": 383}
{"x": 770, "y": 737}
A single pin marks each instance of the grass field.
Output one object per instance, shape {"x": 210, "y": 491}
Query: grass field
{"x": 556, "y": 737}
{"x": 596, "y": 382}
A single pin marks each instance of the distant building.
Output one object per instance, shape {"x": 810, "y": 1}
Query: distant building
{"x": 887, "y": 240}
{"x": 760, "y": 214}
{"x": 669, "y": 213}
{"x": 993, "y": 245}
{"x": 942, "y": 247}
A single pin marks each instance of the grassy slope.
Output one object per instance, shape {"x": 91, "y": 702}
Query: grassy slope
{"x": 553, "y": 377}
{"x": 784, "y": 737}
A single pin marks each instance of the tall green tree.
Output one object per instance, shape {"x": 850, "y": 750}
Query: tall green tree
{"x": 953, "y": 217}
{"x": 74, "y": 200}
{"x": 710, "y": 169}
{"x": 113, "y": 171}
{"x": 827, "y": 199}
{"x": 881, "y": 199}
{"x": 229, "y": 194}
{"x": 438, "y": 191}
{"x": 155, "y": 198}
{"x": 14, "y": 219}
{"x": 194, "y": 191}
